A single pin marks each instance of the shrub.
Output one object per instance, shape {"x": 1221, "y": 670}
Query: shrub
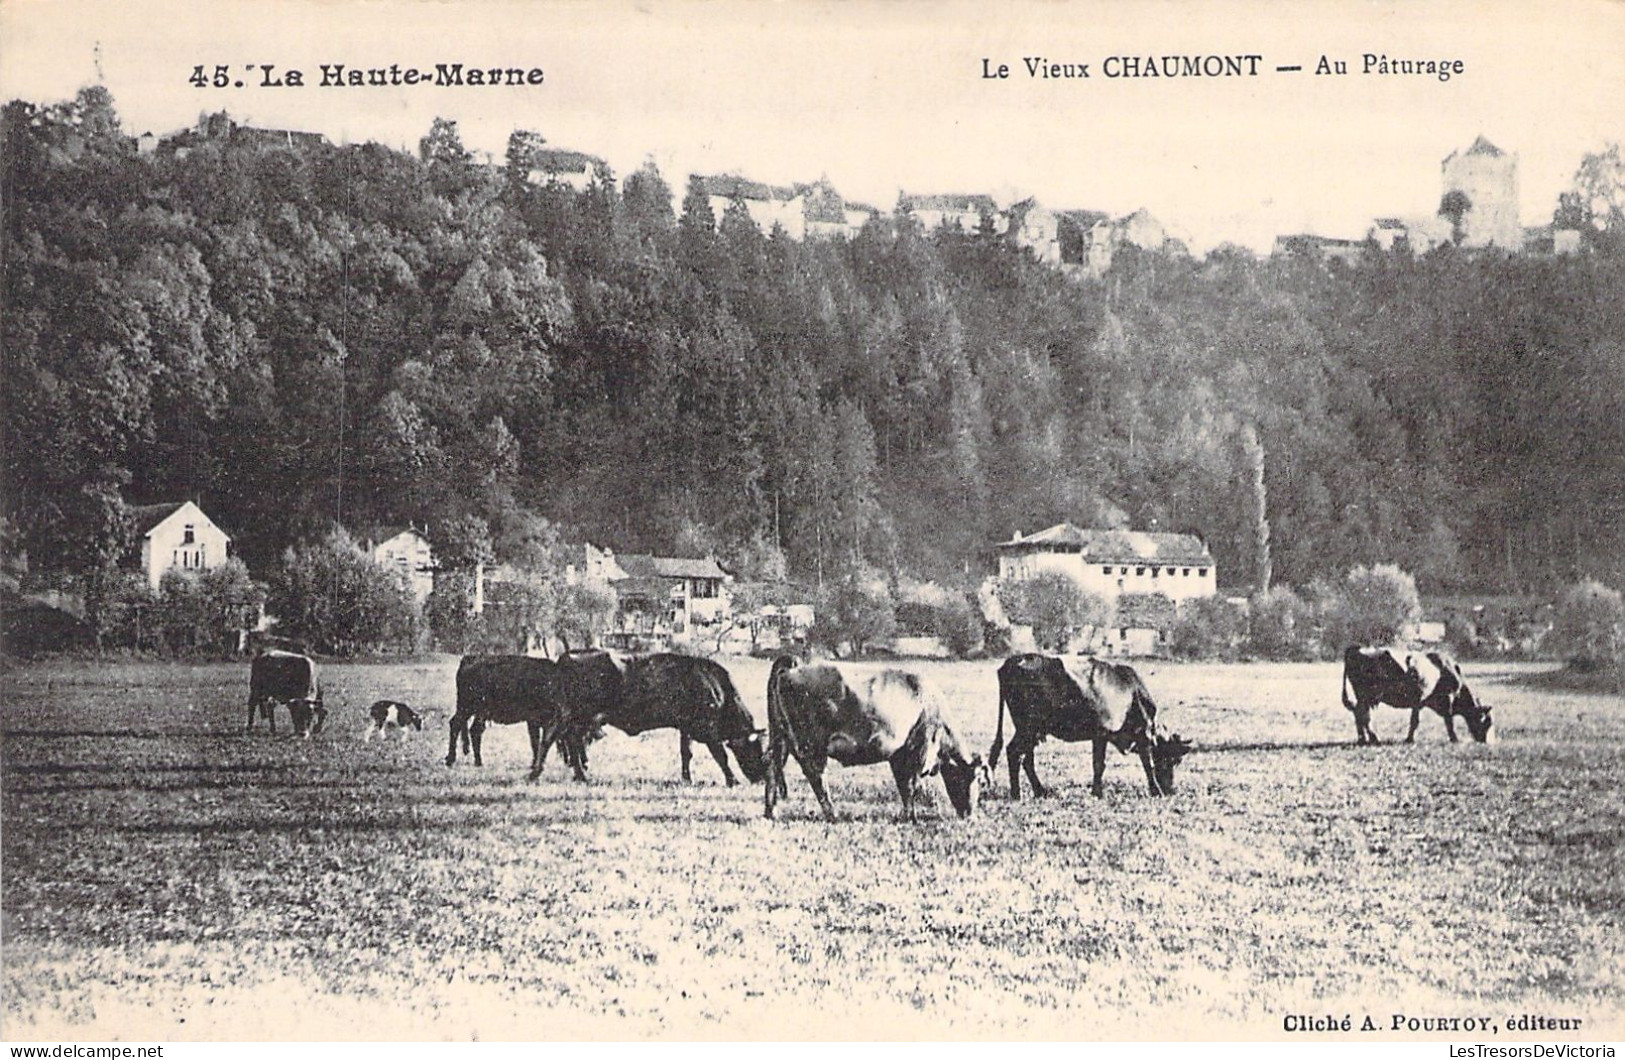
{"x": 332, "y": 596}
{"x": 1054, "y": 605}
{"x": 1588, "y": 629}
{"x": 201, "y": 614}
{"x": 1377, "y": 605}
{"x": 580, "y": 610}
{"x": 1281, "y": 626}
{"x": 1208, "y": 627}
{"x": 449, "y": 612}
{"x": 856, "y": 612}
{"x": 929, "y": 609}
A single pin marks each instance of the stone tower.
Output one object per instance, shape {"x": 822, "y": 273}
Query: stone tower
{"x": 1488, "y": 176}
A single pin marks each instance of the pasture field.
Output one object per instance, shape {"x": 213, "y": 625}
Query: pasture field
{"x": 166, "y": 876}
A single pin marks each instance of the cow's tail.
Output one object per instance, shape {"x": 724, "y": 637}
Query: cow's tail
{"x": 1148, "y": 708}
{"x": 998, "y": 732}
{"x": 781, "y": 737}
{"x": 1348, "y": 701}
{"x": 778, "y": 718}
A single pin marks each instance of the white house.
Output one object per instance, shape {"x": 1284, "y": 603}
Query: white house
{"x": 965, "y": 211}
{"x": 177, "y": 536}
{"x": 1114, "y": 562}
{"x": 767, "y": 204}
{"x": 685, "y": 598}
{"x": 406, "y": 552}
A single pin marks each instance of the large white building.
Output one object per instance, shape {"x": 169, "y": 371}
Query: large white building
{"x": 1114, "y": 562}
{"x": 177, "y": 536}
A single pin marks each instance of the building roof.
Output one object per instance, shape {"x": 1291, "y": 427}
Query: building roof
{"x": 977, "y": 204}
{"x": 1115, "y": 546}
{"x": 556, "y": 160}
{"x": 1390, "y": 222}
{"x": 377, "y": 535}
{"x": 644, "y": 566}
{"x": 1082, "y": 218}
{"x": 1481, "y": 146}
{"x": 733, "y": 186}
{"x": 146, "y": 517}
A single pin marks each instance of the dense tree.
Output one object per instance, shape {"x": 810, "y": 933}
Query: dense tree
{"x": 298, "y": 337}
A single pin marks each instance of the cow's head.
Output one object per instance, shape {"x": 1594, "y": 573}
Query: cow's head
{"x": 964, "y": 778}
{"x": 300, "y": 712}
{"x": 1166, "y": 753}
{"x": 1479, "y": 723}
{"x": 750, "y": 756}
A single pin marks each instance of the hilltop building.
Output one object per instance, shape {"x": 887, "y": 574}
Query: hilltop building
{"x": 1488, "y": 177}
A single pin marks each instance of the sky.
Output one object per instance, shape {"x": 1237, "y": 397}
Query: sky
{"x": 882, "y": 97}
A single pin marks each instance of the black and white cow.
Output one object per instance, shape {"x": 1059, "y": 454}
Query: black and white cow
{"x": 391, "y": 714}
{"x": 1411, "y": 681}
{"x": 1082, "y": 699}
{"x": 863, "y": 717}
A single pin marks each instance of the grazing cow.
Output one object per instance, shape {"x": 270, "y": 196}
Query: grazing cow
{"x": 1082, "y": 699}
{"x": 826, "y": 710}
{"x": 637, "y": 694}
{"x": 1411, "y": 681}
{"x": 390, "y": 714}
{"x": 289, "y": 678}
{"x": 506, "y": 690}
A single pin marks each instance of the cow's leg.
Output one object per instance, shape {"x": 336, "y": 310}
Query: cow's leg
{"x": 1097, "y": 786}
{"x": 1150, "y": 771}
{"x": 459, "y": 722}
{"x": 908, "y": 784}
{"x": 252, "y": 707}
{"x": 534, "y": 729}
{"x": 1363, "y": 731}
{"x": 321, "y": 716}
{"x": 720, "y": 753}
{"x": 572, "y": 747}
{"x": 476, "y": 733}
{"x": 813, "y": 768}
{"x": 268, "y": 711}
{"x": 773, "y": 787}
{"x": 1416, "y": 719}
{"x": 1013, "y": 757}
{"x": 1039, "y": 790}
{"x": 687, "y": 752}
{"x": 1450, "y": 727}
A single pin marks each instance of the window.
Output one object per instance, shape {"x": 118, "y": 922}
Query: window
{"x": 1139, "y": 572}
{"x": 1186, "y": 573}
{"x": 189, "y": 535}
{"x": 1105, "y": 570}
{"x": 1201, "y": 572}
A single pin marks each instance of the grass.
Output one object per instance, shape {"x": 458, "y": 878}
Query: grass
{"x": 166, "y": 876}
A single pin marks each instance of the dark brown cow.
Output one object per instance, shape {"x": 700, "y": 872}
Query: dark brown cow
{"x": 1081, "y": 699}
{"x": 859, "y": 718}
{"x": 1411, "y": 681}
{"x": 289, "y": 678}
{"x": 665, "y": 691}
{"x": 506, "y": 690}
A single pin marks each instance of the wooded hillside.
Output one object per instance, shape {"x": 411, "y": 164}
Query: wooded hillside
{"x": 297, "y": 336}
